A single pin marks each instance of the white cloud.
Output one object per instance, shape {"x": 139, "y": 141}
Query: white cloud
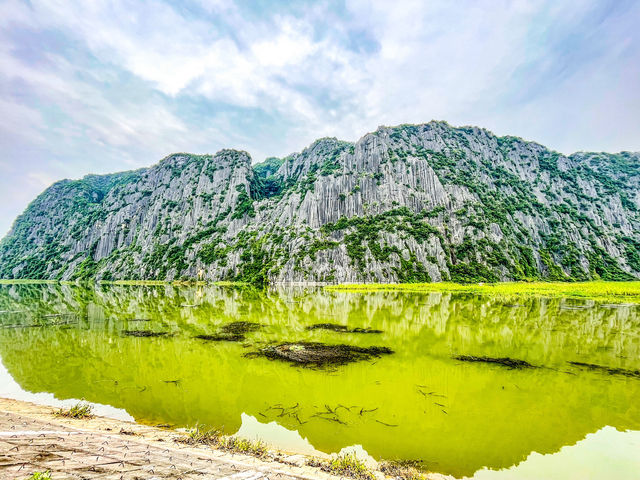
{"x": 40, "y": 180}
{"x": 122, "y": 83}
{"x": 434, "y": 60}
{"x": 18, "y": 120}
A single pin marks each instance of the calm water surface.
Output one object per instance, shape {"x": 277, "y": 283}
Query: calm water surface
{"x": 459, "y": 418}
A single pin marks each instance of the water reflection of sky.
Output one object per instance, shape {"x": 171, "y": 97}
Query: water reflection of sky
{"x": 605, "y": 454}
{"x": 9, "y": 388}
{"x": 494, "y": 417}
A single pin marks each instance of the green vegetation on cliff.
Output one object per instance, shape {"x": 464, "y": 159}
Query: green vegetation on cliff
{"x": 413, "y": 203}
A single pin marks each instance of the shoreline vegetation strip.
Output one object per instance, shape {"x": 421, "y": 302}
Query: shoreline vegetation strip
{"x": 593, "y": 290}
{"x": 600, "y": 290}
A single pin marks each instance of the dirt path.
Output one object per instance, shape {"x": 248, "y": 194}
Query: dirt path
{"x": 33, "y": 439}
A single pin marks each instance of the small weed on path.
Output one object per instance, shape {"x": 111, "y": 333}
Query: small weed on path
{"x": 40, "y": 476}
{"x": 347, "y": 465}
{"x": 79, "y": 410}
{"x": 199, "y": 436}
{"x": 214, "y": 438}
{"x": 403, "y": 469}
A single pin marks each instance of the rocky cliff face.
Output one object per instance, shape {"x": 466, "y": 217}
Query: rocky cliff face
{"x": 410, "y": 203}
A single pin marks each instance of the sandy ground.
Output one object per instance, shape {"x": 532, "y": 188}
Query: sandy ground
{"x": 33, "y": 439}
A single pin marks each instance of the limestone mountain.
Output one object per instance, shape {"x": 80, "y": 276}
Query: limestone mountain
{"x": 410, "y": 203}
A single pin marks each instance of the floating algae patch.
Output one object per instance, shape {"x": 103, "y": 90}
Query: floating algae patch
{"x": 231, "y": 332}
{"x": 315, "y": 354}
{"x": 609, "y": 370}
{"x": 240, "y": 328}
{"x": 336, "y": 327}
{"x": 504, "y": 361}
{"x": 221, "y": 337}
{"x": 143, "y": 333}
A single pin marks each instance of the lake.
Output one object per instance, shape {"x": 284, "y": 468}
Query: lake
{"x": 418, "y": 403}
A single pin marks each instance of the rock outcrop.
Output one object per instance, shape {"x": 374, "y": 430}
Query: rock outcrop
{"x": 410, "y": 203}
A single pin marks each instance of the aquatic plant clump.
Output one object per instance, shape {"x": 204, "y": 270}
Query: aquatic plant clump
{"x": 143, "y": 333}
{"x": 221, "y": 337}
{"x": 238, "y": 328}
{"x": 609, "y": 370}
{"x": 231, "y": 332}
{"x": 319, "y": 354}
{"x": 335, "y": 327}
{"x": 504, "y": 361}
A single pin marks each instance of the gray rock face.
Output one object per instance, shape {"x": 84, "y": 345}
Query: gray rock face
{"x": 410, "y": 203}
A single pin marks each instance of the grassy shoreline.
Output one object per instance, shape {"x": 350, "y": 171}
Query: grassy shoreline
{"x": 593, "y": 290}
{"x": 605, "y": 291}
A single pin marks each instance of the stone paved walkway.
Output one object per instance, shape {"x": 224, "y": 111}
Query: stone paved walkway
{"x": 33, "y": 439}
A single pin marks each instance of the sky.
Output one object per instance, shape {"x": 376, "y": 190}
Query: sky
{"x": 104, "y": 86}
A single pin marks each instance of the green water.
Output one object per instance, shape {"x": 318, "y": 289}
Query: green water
{"x": 417, "y": 403}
